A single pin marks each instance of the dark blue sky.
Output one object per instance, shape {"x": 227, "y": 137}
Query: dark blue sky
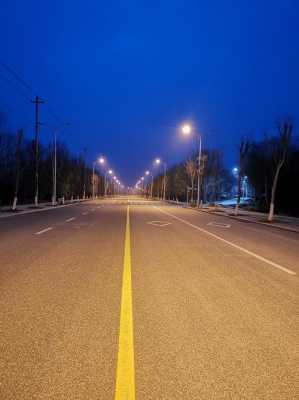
{"x": 126, "y": 73}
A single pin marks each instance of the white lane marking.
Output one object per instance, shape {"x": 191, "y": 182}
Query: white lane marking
{"x": 219, "y": 224}
{"x": 70, "y": 219}
{"x": 85, "y": 213}
{"x": 159, "y": 223}
{"x": 93, "y": 209}
{"x": 44, "y": 230}
{"x": 251, "y": 253}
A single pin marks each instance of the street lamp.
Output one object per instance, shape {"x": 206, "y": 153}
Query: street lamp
{"x": 110, "y": 172}
{"x": 152, "y": 182}
{"x": 100, "y": 160}
{"x": 187, "y": 131}
{"x": 158, "y": 161}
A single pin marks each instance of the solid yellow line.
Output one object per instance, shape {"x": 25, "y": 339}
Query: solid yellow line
{"x": 125, "y": 375}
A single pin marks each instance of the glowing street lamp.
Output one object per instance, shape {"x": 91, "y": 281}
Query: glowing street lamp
{"x": 152, "y": 183}
{"x": 99, "y": 160}
{"x": 110, "y": 172}
{"x": 187, "y": 131}
{"x": 158, "y": 161}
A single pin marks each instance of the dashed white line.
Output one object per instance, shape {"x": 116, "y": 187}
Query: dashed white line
{"x": 265, "y": 260}
{"x": 85, "y": 213}
{"x": 44, "y": 230}
{"x": 70, "y": 219}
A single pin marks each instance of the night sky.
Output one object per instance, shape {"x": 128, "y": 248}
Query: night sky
{"x": 126, "y": 74}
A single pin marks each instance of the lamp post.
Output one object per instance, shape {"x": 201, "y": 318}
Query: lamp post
{"x": 158, "y": 162}
{"x": 152, "y": 181}
{"x": 54, "y": 193}
{"x": 110, "y": 172}
{"x": 100, "y": 160}
{"x": 187, "y": 130}
{"x": 142, "y": 184}
{"x": 113, "y": 184}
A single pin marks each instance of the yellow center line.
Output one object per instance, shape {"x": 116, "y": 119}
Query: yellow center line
{"x": 125, "y": 374}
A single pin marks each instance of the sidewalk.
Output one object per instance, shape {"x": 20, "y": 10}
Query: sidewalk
{"x": 279, "y": 221}
{"x": 6, "y": 211}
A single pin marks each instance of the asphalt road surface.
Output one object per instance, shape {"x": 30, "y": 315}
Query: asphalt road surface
{"x": 106, "y": 300}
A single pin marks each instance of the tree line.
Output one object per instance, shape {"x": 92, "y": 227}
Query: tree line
{"x": 17, "y": 171}
{"x": 270, "y": 167}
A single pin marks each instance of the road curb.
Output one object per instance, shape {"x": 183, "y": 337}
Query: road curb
{"x": 47, "y": 208}
{"x": 245, "y": 220}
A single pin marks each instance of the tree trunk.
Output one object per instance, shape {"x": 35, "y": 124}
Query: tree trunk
{"x": 192, "y": 191}
{"x": 273, "y": 192}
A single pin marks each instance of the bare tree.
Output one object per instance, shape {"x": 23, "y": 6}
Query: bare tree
{"x": 280, "y": 150}
{"x": 243, "y": 151}
{"x": 191, "y": 170}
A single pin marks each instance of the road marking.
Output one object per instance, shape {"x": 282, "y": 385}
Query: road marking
{"x": 219, "y": 224}
{"x": 70, "y": 219}
{"x": 251, "y": 253}
{"x": 43, "y": 231}
{"x": 125, "y": 375}
{"x": 159, "y": 223}
{"x": 85, "y": 213}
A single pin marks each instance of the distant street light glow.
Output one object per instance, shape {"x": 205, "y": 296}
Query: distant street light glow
{"x": 186, "y": 129}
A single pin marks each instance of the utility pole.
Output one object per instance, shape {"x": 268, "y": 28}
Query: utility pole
{"x": 18, "y": 162}
{"x": 37, "y": 101}
{"x": 54, "y": 193}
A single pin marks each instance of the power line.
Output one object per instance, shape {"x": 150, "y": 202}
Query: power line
{"x": 16, "y": 76}
{"x": 25, "y": 85}
{"x": 10, "y": 82}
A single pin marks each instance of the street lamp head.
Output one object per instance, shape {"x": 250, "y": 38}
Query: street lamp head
{"x": 101, "y": 160}
{"x": 235, "y": 170}
{"x": 142, "y": 178}
{"x": 186, "y": 129}
{"x": 157, "y": 161}
{"x": 110, "y": 172}
{"x": 147, "y": 172}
